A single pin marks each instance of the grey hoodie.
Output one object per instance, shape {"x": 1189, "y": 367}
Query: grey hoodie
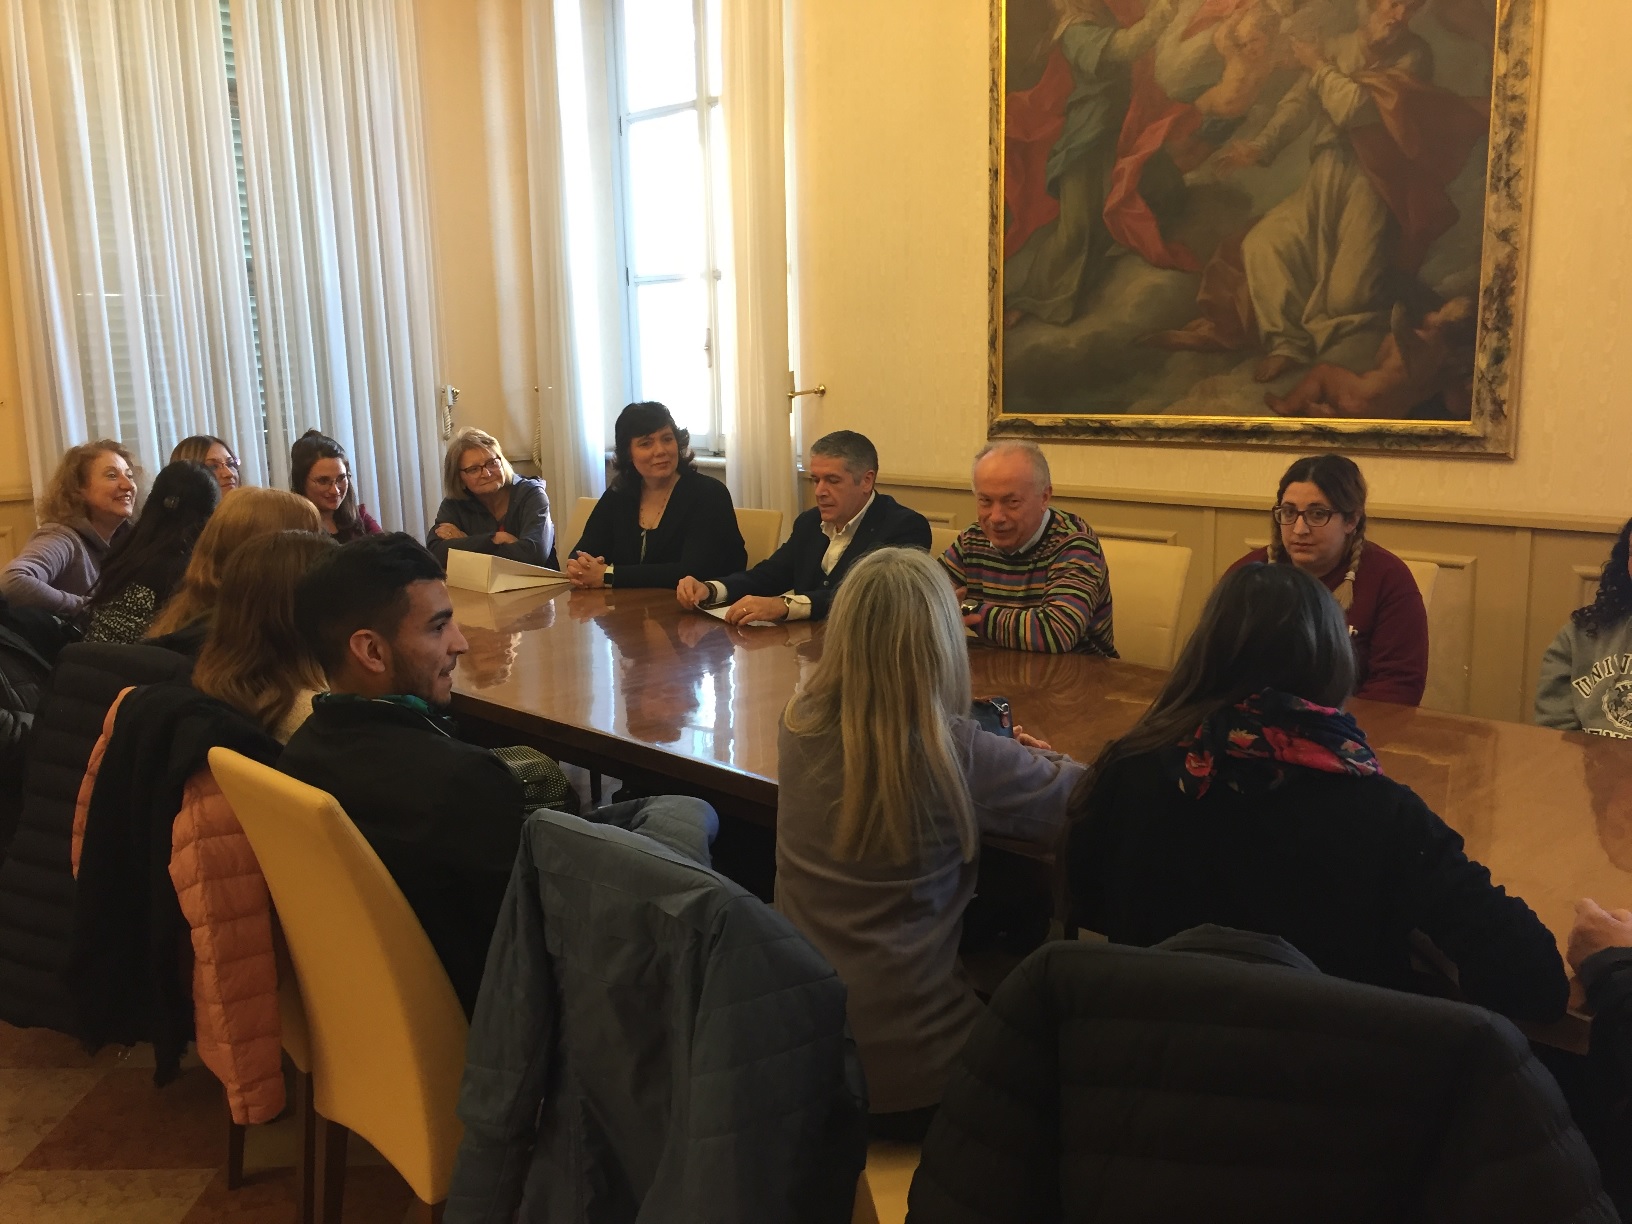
{"x": 1586, "y": 681}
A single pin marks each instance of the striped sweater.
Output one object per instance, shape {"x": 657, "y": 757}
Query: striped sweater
{"x": 1054, "y": 597}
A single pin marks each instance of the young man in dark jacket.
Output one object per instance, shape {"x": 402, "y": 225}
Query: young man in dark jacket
{"x": 444, "y": 816}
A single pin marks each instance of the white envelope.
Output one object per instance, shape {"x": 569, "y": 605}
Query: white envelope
{"x": 474, "y": 571}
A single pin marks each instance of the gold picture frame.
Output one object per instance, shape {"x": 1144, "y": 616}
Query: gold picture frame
{"x": 1041, "y": 387}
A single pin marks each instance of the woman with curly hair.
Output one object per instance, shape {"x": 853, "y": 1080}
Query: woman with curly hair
{"x": 1586, "y": 684}
{"x": 1318, "y": 524}
{"x": 87, "y": 507}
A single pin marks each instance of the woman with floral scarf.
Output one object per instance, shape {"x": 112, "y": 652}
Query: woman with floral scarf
{"x": 1247, "y": 797}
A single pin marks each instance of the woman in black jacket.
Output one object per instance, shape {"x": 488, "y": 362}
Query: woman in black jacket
{"x": 1246, "y": 797}
{"x": 661, "y": 519}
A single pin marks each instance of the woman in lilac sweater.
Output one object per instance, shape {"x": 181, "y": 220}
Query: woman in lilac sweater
{"x": 87, "y": 506}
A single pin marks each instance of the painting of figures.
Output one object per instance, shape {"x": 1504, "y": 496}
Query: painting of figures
{"x": 1275, "y": 220}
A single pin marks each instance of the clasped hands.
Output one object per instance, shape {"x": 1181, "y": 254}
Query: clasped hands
{"x": 586, "y": 572}
{"x": 693, "y": 594}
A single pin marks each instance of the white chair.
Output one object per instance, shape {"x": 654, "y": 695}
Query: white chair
{"x": 940, "y": 538}
{"x": 761, "y": 532}
{"x": 1147, "y": 587}
{"x": 567, "y": 538}
{"x": 1426, "y": 574}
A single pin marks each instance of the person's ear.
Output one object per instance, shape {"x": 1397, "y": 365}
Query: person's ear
{"x": 370, "y": 651}
{"x": 1048, "y": 493}
{"x": 867, "y": 481}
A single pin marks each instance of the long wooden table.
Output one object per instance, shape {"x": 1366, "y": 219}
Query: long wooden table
{"x": 626, "y": 681}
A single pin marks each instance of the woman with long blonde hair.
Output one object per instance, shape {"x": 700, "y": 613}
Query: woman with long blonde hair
{"x": 886, "y": 786}
{"x": 243, "y": 514}
{"x": 254, "y": 658}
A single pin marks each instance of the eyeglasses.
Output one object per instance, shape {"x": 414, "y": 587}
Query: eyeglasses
{"x": 221, "y": 465}
{"x": 494, "y": 464}
{"x": 1315, "y": 516}
{"x": 331, "y": 482}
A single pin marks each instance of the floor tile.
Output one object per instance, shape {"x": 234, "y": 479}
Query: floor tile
{"x": 33, "y": 1102}
{"x": 374, "y": 1195}
{"x": 103, "y": 1196}
{"x": 124, "y": 1122}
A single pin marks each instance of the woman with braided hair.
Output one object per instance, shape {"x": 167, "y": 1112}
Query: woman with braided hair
{"x": 1586, "y": 674}
{"x": 1318, "y": 523}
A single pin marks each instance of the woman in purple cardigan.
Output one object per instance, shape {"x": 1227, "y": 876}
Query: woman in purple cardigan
{"x": 1319, "y": 525}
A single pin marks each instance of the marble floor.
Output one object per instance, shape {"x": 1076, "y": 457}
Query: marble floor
{"x": 89, "y": 1140}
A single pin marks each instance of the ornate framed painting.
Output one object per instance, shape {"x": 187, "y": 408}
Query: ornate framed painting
{"x": 1266, "y": 222}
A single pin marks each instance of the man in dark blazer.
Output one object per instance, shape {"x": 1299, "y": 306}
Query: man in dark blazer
{"x": 797, "y": 581}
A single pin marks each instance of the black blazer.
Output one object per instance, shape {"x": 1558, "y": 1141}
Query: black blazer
{"x": 797, "y": 565}
{"x": 697, "y": 535}
{"x": 1343, "y": 868}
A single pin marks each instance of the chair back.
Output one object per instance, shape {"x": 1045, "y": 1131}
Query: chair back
{"x": 387, "y": 1035}
{"x": 1426, "y": 576}
{"x": 940, "y": 538}
{"x": 574, "y": 530}
{"x": 1147, "y": 587}
{"x": 761, "y": 532}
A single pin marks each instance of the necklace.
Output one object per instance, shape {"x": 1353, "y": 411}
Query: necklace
{"x": 650, "y": 519}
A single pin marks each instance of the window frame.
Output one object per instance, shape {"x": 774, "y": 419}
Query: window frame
{"x": 705, "y": 105}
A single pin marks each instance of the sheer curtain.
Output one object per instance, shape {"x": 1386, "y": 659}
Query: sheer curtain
{"x": 566, "y": 304}
{"x": 333, "y": 162}
{"x": 133, "y": 306}
{"x": 759, "y": 448}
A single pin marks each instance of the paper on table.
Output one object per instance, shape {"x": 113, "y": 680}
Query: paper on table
{"x": 474, "y": 571}
{"x": 719, "y": 614}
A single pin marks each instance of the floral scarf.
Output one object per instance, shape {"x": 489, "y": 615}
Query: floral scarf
{"x": 1245, "y": 746}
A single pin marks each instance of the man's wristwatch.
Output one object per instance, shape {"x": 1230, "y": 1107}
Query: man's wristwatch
{"x": 787, "y": 604}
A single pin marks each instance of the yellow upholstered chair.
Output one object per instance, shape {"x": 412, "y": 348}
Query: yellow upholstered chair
{"x": 567, "y": 538}
{"x": 761, "y": 532}
{"x": 881, "y": 1195}
{"x": 1147, "y": 587}
{"x": 386, "y": 1032}
{"x": 1426, "y": 575}
{"x": 940, "y": 538}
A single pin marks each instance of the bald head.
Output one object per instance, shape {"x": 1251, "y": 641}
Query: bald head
{"x": 1012, "y": 491}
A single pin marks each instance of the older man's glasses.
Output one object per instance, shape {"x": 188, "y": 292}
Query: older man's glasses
{"x": 492, "y": 467}
{"x": 1315, "y": 516}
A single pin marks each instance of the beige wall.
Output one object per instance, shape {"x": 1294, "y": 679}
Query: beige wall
{"x": 891, "y": 139}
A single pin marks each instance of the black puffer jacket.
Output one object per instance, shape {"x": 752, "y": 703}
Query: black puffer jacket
{"x": 36, "y": 880}
{"x": 1110, "y": 1083}
{"x": 24, "y": 672}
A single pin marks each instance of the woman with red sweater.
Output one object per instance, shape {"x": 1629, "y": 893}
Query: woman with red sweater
{"x": 1319, "y": 525}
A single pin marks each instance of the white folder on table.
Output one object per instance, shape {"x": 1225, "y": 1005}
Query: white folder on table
{"x": 474, "y": 571}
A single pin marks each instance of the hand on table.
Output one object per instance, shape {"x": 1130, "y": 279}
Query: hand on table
{"x": 1030, "y": 741}
{"x": 690, "y": 592}
{"x": 586, "y": 572}
{"x": 447, "y": 531}
{"x": 756, "y": 608}
{"x": 1596, "y": 929}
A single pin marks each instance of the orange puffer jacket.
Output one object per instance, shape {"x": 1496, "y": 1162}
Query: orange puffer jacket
{"x": 235, "y": 973}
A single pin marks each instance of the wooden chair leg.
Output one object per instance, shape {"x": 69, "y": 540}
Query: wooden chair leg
{"x": 305, "y": 1151}
{"x": 235, "y": 1153}
{"x": 330, "y": 1177}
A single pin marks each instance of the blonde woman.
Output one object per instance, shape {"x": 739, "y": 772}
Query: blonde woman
{"x": 886, "y": 787}
{"x": 254, "y": 658}
{"x": 86, "y": 508}
{"x": 487, "y": 508}
{"x": 243, "y": 514}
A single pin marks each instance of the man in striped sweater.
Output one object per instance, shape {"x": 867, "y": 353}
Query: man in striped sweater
{"x": 1031, "y": 577}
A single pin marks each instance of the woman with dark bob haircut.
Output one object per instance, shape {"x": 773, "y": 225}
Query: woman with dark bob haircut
{"x": 1246, "y": 797}
{"x": 1318, "y": 524}
{"x": 660, "y": 519}
{"x": 1578, "y": 693}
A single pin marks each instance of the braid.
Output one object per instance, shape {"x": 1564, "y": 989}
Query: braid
{"x": 1351, "y": 566}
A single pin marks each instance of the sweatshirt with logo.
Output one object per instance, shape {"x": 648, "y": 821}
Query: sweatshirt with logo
{"x": 1586, "y": 680}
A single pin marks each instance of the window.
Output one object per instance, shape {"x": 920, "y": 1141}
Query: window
{"x": 672, "y": 236}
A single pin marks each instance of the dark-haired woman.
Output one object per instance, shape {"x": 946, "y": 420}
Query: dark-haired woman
{"x": 1246, "y": 797}
{"x": 661, "y": 519}
{"x": 320, "y": 471}
{"x": 1578, "y": 692}
{"x": 487, "y": 508}
{"x": 143, "y": 568}
{"x": 1318, "y": 524}
{"x": 213, "y": 453}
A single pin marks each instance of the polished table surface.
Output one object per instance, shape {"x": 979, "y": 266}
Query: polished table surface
{"x": 627, "y": 679}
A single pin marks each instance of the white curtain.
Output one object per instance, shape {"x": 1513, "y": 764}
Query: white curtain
{"x": 333, "y": 152}
{"x": 759, "y": 455}
{"x": 568, "y": 342}
{"x": 127, "y": 266}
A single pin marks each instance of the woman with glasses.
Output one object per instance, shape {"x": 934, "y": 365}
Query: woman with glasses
{"x": 1318, "y": 523}
{"x": 321, "y": 473}
{"x": 214, "y": 454}
{"x": 487, "y": 508}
